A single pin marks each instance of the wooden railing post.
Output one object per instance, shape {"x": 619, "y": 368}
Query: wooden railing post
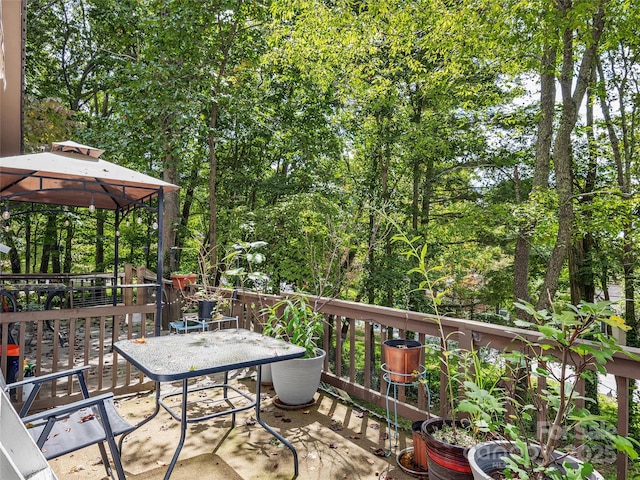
{"x": 622, "y": 386}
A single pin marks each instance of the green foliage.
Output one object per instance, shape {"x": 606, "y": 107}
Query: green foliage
{"x": 569, "y": 342}
{"x": 294, "y": 320}
{"x": 483, "y": 402}
{"x": 323, "y": 110}
{"x": 247, "y": 260}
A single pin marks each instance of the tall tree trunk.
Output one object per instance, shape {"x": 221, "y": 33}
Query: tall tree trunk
{"x": 427, "y": 192}
{"x": 27, "y": 247}
{"x": 581, "y": 275}
{"x": 68, "y": 243}
{"x": 417, "y": 102}
{"x": 226, "y": 42}
{"x": 213, "y": 174}
{"x": 100, "y": 264}
{"x": 50, "y": 245}
{"x": 562, "y": 148}
{"x": 622, "y": 163}
{"x": 171, "y": 206}
{"x": 542, "y": 165}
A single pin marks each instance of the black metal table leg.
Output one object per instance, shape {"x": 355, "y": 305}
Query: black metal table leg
{"x": 271, "y": 430}
{"x": 183, "y": 429}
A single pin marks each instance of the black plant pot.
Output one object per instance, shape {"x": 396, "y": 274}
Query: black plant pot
{"x": 487, "y": 459}
{"x": 206, "y": 308}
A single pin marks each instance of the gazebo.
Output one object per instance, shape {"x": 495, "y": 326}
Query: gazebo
{"x": 74, "y": 175}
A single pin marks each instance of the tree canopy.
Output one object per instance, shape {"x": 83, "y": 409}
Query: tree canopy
{"x": 502, "y": 135}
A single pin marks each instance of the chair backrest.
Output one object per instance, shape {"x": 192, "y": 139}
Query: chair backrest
{"x": 20, "y": 457}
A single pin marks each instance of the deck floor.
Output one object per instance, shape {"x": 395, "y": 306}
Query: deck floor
{"x": 333, "y": 441}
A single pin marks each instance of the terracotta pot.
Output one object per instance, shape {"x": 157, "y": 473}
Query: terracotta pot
{"x": 402, "y": 359}
{"x": 182, "y": 280}
{"x": 446, "y": 461}
{"x": 420, "y": 457}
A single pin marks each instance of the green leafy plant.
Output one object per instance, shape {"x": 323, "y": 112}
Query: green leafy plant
{"x": 482, "y": 403}
{"x": 483, "y": 400}
{"x": 567, "y": 344}
{"x": 293, "y": 319}
{"x": 247, "y": 257}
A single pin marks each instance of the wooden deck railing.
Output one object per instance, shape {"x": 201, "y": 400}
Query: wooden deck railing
{"x": 362, "y": 326}
{"x": 353, "y": 340}
{"x": 56, "y": 336}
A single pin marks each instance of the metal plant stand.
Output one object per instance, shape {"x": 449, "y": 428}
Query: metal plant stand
{"x": 392, "y": 399}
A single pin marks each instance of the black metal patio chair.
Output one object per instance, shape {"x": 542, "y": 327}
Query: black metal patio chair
{"x": 67, "y": 428}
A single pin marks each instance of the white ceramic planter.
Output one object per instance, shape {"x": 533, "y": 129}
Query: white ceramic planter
{"x": 486, "y": 457}
{"x": 265, "y": 377}
{"x": 296, "y": 381}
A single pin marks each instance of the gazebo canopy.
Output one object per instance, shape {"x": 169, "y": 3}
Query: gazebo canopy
{"x": 74, "y": 175}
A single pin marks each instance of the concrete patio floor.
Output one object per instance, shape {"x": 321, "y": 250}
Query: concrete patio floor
{"x": 333, "y": 441}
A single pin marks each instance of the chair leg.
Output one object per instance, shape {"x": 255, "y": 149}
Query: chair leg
{"x": 105, "y": 459}
{"x": 117, "y": 458}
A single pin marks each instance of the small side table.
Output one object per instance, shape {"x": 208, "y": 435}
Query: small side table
{"x": 393, "y": 408}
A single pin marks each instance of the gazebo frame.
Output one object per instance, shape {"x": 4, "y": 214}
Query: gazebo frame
{"x": 75, "y": 175}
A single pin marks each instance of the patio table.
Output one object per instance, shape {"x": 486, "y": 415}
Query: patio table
{"x": 172, "y": 358}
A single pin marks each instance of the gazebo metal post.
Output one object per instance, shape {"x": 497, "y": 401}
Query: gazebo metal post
{"x": 159, "y": 273}
{"x": 116, "y": 265}
{"x": 116, "y": 257}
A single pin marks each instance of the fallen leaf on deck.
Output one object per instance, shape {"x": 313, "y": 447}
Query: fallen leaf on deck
{"x": 378, "y": 452}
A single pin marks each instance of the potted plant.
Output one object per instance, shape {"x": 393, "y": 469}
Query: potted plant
{"x": 402, "y": 359}
{"x": 210, "y": 300}
{"x": 568, "y": 343}
{"x": 211, "y": 303}
{"x": 473, "y": 418}
{"x": 448, "y": 440}
{"x": 293, "y": 319}
{"x": 181, "y": 280}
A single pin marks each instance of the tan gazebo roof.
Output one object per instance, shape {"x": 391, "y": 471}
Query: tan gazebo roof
{"x": 74, "y": 175}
